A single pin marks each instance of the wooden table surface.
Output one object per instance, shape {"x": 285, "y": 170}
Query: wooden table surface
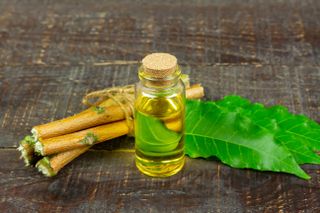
{"x": 53, "y": 52}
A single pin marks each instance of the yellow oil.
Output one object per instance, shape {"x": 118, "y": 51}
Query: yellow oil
{"x": 159, "y": 136}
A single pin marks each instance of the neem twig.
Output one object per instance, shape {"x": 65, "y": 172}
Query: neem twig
{"x": 82, "y": 138}
{"x": 50, "y": 166}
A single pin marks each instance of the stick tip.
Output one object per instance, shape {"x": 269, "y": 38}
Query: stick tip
{"x": 24, "y": 155}
{"x": 38, "y": 148}
{"x": 26, "y": 148}
{"x": 45, "y": 168}
{"x": 34, "y": 133}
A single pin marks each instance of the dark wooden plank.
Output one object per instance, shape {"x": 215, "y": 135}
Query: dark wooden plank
{"x": 198, "y": 32}
{"x": 93, "y": 183}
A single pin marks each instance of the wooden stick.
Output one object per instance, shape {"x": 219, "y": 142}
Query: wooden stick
{"x": 82, "y": 120}
{"x": 82, "y": 138}
{"x": 196, "y": 91}
{"x": 93, "y": 117}
{"x": 50, "y": 166}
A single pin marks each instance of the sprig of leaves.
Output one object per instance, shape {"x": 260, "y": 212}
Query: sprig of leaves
{"x": 246, "y": 135}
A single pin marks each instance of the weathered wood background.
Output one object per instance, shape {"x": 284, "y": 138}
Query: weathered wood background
{"x": 53, "y": 52}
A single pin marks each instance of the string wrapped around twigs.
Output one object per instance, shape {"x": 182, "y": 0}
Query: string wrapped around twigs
{"x": 121, "y": 96}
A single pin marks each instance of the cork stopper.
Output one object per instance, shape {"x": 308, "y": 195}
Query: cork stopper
{"x": 159, "y": 65}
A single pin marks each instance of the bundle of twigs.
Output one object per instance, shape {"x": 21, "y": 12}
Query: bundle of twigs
{"x": 53, "y": 145}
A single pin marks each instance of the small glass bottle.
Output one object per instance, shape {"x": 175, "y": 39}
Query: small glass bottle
{"x": 159, "y": 116}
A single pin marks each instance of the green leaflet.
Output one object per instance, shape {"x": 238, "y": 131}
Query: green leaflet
{"x": 278, "y": 121}
{"x": 153, "y": 137}
{"x": 298, "y": 125}
{"x": 245, "y": 135}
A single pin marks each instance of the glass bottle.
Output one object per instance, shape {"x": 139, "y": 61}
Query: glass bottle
{"x": 159, "y": 116}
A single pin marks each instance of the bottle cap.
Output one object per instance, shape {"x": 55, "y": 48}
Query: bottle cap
{"x": 159, "y": 65}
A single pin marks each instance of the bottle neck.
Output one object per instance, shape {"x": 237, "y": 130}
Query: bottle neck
{"x": 151, "y": 81}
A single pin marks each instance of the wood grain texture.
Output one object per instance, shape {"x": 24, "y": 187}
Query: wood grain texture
{"x": 53, "y": 52}
{"x": 81, "y": 32}
{"x": 103, "y": 181}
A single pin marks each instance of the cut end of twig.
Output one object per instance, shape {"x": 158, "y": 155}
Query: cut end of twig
{"x": 27, "y": 158}
{"x": 45, "y": 168}
{"x": 38, "y": 148}
{"x": 34, "y": 133}
{"x": 26, "y": 148}
{"x": 196, "y": 91}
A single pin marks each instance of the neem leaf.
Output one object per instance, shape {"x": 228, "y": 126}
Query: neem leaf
{"x": 298, "y": 125}
{"x": 213, "y": 130}
{"x": 279, "y": 122}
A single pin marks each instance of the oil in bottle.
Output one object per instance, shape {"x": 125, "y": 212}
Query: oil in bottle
{"x": 159, "y": 116}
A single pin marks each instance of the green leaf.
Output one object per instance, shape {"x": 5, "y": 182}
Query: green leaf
{"x": 298, "y": 125}
{"x": 153, "y": 137}
{"x": 279, "y": 122}
{"x": 213, "y": 129}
